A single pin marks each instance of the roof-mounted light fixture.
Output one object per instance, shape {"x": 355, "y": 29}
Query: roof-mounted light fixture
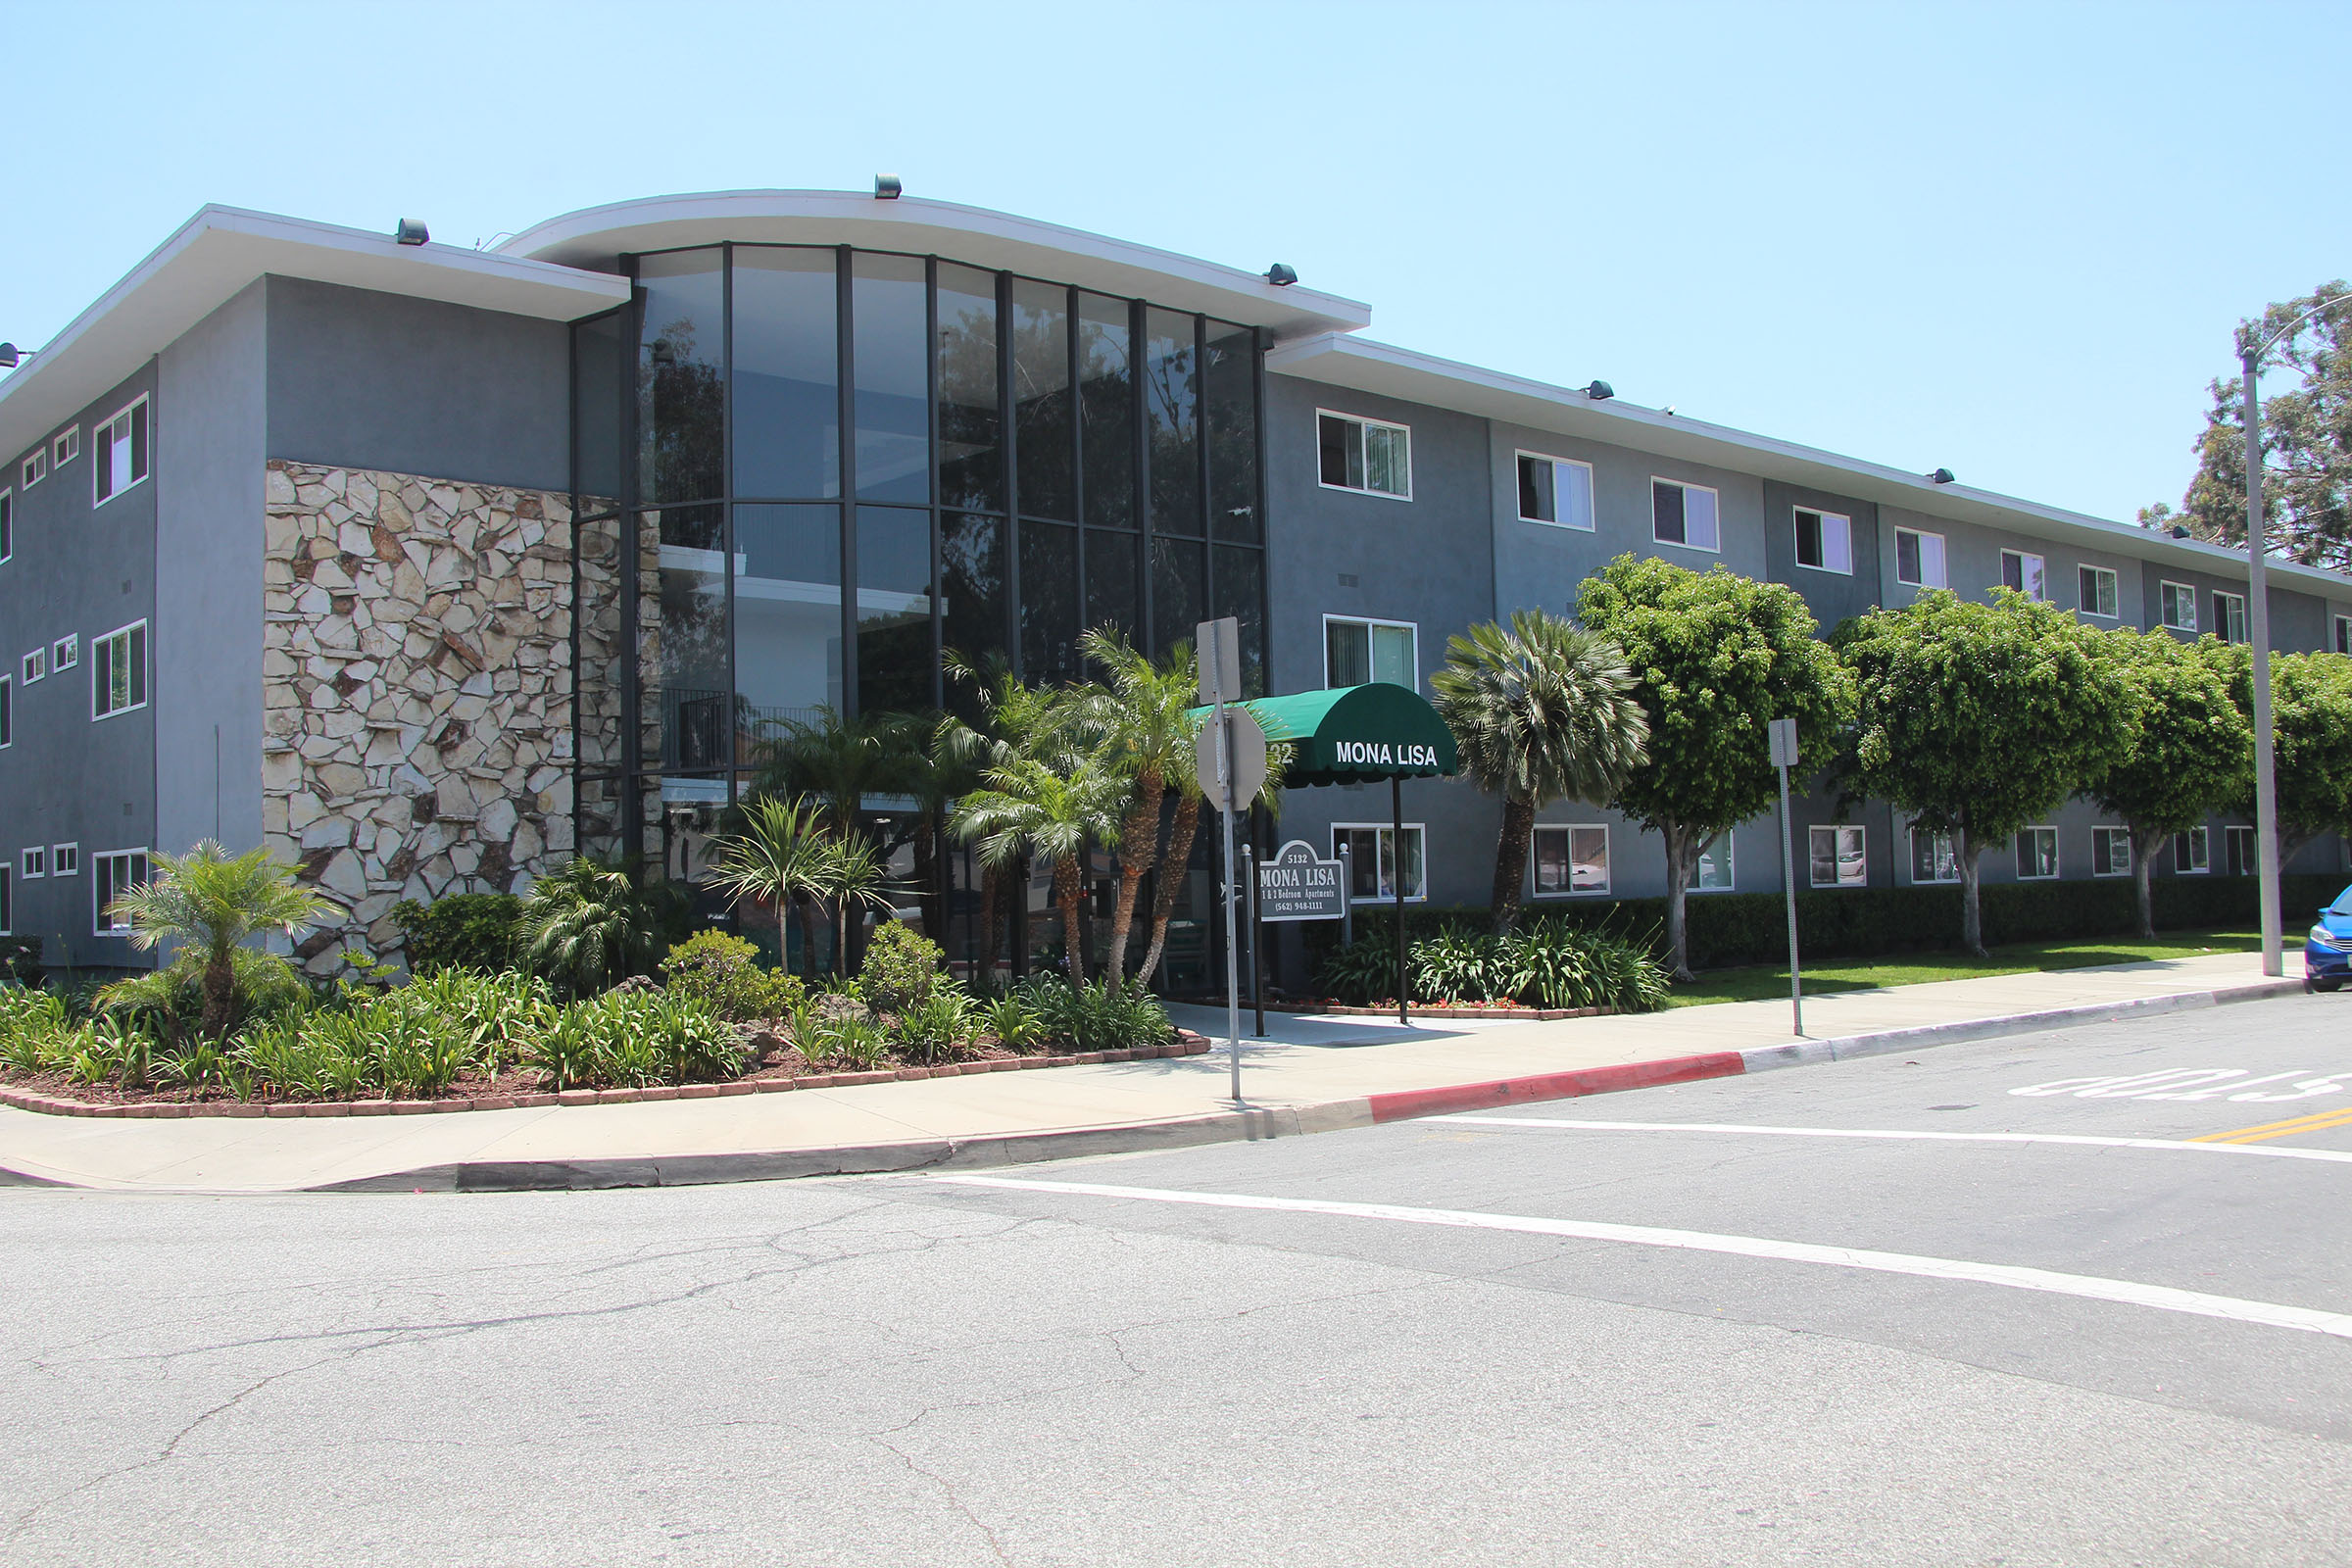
{"x": 1939, "y": 476}
{"x": 9, "y": 354}
{"x": 2178, "y": 533}
{"x": 412, "y": 231}
{"x": 887, "y": 187}
{"x": 1282, "y": 275}
{"x": 1599, "y": 391}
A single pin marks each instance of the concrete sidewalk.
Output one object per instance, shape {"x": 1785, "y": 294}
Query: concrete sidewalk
{"x": 1312, "y": 1073}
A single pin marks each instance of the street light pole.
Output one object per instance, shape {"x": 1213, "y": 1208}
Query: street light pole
{"x": 2258, "y": 628}
{"x": 2266, "y": 778}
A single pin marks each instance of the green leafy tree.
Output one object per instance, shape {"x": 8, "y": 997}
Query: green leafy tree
{"x": 1977, "y": 718}
{"x": 2310, "y": 739}
{"x": 590, "y": 926}
{"x": 2306, "y": 439}
{"x": 1543, "y": 711}
{"x": 1715, "y": 657}
{"x": 2190, "y": 751}
{"x": 214, "y": 902}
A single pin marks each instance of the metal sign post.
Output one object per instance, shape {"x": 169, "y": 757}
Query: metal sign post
{"x": 1230, "y": 760}
{"x": 1784, "y": 757}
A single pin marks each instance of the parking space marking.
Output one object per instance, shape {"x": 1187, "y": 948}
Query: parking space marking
{"x": 2244, "y": 1135}
{"x": 2194, "y": 1145}
{"x": 2089, "y": 1287}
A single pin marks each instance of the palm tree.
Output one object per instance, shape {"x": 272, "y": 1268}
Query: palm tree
{"x": 1543, "y": 711}
{"x": 841, "y": 762}
{"x": 1053, "y": 803}
{"x": 214, "y": 903}
{"x": 1012, "y": 717}
{"x": 590, "y": 926}
{"x": 779, "y": 855}
{"x": 855, "y": 877}
{"x": 1146, "y": 711}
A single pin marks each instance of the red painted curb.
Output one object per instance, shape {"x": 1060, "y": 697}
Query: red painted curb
{"x": 1410, "y": 1102}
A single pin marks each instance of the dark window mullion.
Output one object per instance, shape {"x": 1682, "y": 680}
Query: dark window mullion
{"x": 632, "y": 534}
{"x": 939, "y": 598}
{"x": 1260, "y": 341}
{"x": 1009, "y": 454}
{"x": 844, "y": 329}
{"x": 1137, "y": 362}
{"x": 726, "y": 485}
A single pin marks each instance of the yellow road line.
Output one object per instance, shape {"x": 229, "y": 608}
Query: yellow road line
{"x": 2280, "y": 1129}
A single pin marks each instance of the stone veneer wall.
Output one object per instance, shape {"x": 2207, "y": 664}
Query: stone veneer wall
{"x": 416, "y": 688}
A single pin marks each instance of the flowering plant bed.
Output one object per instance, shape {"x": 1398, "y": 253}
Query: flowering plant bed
{"x": 1444, "y": 1009}
{"x": 779, "y": 1070}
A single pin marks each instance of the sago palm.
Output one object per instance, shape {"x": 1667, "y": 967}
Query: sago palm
{"x": 589, "y": 926}
{"x": 214, "y": 903}
{"x": 1543, "y": 711}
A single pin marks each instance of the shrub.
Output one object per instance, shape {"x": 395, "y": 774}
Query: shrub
{"x": 1088, "y": 1018}
{"x": 724, "y": 972}
{"x": 938, "y": 1027}
{"x": 902, "y": 968}
{"x": 1549, "y": 962}
{"x": 635, "y": 1038}
{"x": 463, "y": 931}
{"x": 590, "y": 926}
{"x": 21, "y": 960}
{"x": 1016, "y": 1026}
{"x": 168, "y": 1003}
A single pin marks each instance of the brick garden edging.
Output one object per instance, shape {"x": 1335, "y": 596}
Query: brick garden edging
{"x": 1188, "y": 1044}
{"x": 1439, "y": 1009}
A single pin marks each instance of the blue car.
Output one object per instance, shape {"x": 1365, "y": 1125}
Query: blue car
{"x": 2328, "y": 948}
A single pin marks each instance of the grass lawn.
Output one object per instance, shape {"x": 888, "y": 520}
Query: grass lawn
{"x": 1763, "y": 981}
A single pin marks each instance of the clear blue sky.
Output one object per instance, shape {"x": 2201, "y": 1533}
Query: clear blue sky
{"x": 2008, "y": 240}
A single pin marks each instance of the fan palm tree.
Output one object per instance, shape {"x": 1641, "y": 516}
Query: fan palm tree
{"x": 778, "y": 856}
{"x": 1055, "y": 805}
{"x": 1146, "y": 711}
{"x": 214, "y": 902}
{"x": 1543, "y": 711}
{"x": 589, "y": 926}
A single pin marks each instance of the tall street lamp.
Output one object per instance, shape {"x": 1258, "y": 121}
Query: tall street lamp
{"x": 2266, "y": 782}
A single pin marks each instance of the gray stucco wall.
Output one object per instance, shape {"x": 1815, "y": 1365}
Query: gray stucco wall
{"x": 208, "y": 550}
{"x": 1830, "y": 596}
{"x": 85, "y": 570}
{"x": 367, "y": 380}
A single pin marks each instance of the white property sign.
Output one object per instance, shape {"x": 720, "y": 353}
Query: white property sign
{"x": 1294, "y": 885}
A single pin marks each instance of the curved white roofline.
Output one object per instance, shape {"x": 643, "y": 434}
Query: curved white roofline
{"x": 595, "y": 236}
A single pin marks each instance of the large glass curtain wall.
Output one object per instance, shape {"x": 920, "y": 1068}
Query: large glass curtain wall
{"x": 836, "y": 464}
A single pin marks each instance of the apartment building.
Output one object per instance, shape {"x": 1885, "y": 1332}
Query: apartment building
{"x": 428, "y": 568}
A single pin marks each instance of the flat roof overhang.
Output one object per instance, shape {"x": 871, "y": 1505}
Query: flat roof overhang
{"x": 1385, "y": 371}
{"x": 597, "y": 236}
{"x": 217, "y": 254}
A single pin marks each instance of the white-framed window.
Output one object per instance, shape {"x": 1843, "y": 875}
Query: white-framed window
{"x": 2230, "y": 616}
{"x": 8, "y": 694}
{"x": 2036, "y": 854}
{"x": 112, "y": 874}
{"x": 119, "y": 453}
{"x": 2026, "y": 573}
{"x": 1839, "y": 855}
{"x": 34, "y": 469}
{"x": 119, "y": 671}
{"x": 33, "y": 666}
{"x": 2176, "y": 605}
{"x": 1824, "y": 541}
{"x": 1372, "y": 850}
{"x": 1364, "y": 455}
{"x": 1555, "y": 490}
{"x": 67, "y": 447}
{"x": 32, "y": 863}
{"x": 1919, "y": 558}
{"x": 1359, "y": 651}
{"x": 1932, "y": 856}
{"x": 1714, "y": 873}
{"x": 7, "y": 522}
{"x": 2343, "y": 623}
{"x": 66, "y": 652}
{"x": 2110, "y": 851}
{"x": 2097, "y": 587}
{"x": 8, "y": 900}
{"x": 2238, "y": 850}
{"x": 65, "y": 859}
{"x": 1686, "y": 515}
{"x": 1573, "y": 858}
{"x": 2188, "y": 853}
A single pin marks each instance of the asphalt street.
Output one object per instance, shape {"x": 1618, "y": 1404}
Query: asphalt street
{"x": 2080, "y": 1298}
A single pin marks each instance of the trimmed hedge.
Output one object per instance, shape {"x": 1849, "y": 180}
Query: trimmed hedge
{"x": 1736, "y": 928}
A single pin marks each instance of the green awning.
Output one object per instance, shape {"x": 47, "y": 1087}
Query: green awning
{"x": 1355, "y": 734}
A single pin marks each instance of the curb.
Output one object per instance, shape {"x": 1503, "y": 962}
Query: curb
{"x": 1257, "y": 1125}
